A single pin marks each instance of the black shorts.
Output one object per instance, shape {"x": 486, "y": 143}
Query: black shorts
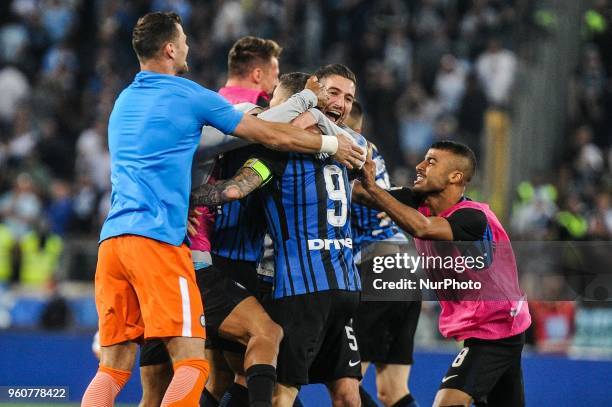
{"x": 243, "y": 272}
{"x": 153, "y": 352}
{"x": 385, "y": 331}
{"x": 220, "y": 295}
{"x": 489, "y": 371}
{"x": 319, "y": 345}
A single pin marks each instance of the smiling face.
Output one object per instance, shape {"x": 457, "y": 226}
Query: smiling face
{"x": 438, "y": 170}
{"x": 341, "y": 96}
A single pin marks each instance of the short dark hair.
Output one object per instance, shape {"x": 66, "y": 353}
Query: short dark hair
{"x": 356, "y": 110}
{"x": 249, "y": 51}
{"x": 293, "y": 82}
{"x": 152, "y": 31}
{"x": 336, "y": 69}
{"x": 460, "y": 150}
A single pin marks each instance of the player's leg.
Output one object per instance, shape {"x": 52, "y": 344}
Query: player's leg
{"x": 284, "y": 395}
{"x": 220, "y": 379}
{"x": 366, "y": 399}
{"x": 452, "y": 398}
{"x": 155, "y": 372}
{"x": 303, "y": 319}
{"x": 477, "y": 370}
{"x": 237, "y": 393}
{"x": 509, "y": 391}
{"x": 172, "y": 310}
{"x": 392, "y": 385}
{"x": 338, "y": 363}
{"x": 249, "y": 324}
{"x": 120, "y": 323}
{"x": 345, "y": 392}
{"x": 393, "y": 374}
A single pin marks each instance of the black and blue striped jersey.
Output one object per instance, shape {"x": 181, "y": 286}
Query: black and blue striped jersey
{"x": 239, "y": 226}
{"x": 307, "y": 208}
{"x": 365, "y": 225}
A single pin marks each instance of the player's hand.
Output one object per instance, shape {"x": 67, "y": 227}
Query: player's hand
{"x": 383, "y": 219}
{"x": 368, "y": 172}
{"x": 322, "y": 96}
{"x": 193, "y": 222}
{"x": 349, "y": 153}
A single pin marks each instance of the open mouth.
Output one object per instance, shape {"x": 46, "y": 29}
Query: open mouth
{"x": 419, "y": 178}
{"x": 333, "y": 115}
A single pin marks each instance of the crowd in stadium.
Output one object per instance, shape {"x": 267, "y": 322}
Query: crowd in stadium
{"x": 428, "y": 70}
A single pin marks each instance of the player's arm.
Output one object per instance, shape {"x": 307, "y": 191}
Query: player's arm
{"x": 253, "y": 174}
{"x": 211, "y": 108}
{"x": 406, "y": 217}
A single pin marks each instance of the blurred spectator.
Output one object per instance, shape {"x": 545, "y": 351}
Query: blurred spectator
{"x": 496, "y": 68}
{"x": 450, "y": 82}
{"x": 553, "y": 324}
{"x": 417, "y": 113}
{"x": 471, "y": 113}
{"x": 600, "y": 219}
{"x": 7, "y": 243}
{"x": 59, "y": 212}
{"x": 20, "y": 207}
{"x": 93, "y": 159}
{"x": 58, "y": 17}
{"x": 15, "y": 89}
{"x": 40, "y": 255}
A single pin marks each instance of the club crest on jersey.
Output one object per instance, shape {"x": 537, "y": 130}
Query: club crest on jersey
{"x": 326, "y": 244}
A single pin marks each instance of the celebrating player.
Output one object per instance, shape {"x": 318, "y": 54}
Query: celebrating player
{"x": 491, "y": 323}
{"x": 145, "y": 284}
{"x": 384, "y": 330}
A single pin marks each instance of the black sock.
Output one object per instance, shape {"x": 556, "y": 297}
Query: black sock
{"x": 406, "y": 401}
{"x": 235, "y": 396}
{"x": 208, "y": 400}
{"x": 260, "y": 382}
{"x": 297, "y": 402}
{"x": 366, "y": 399}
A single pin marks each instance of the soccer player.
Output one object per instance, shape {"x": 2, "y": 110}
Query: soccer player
{"x": 307, "y": 206}
{"x": 145, "y": 284}
{"x": 224, "y": 311}
{"x": 253, "y": 69}
{"x": 385, "y": 330}
{"x": 492, "y": 322}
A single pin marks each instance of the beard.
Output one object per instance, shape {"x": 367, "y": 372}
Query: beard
{"x": 426, "y": 190}
{"x": 183, "y": 69}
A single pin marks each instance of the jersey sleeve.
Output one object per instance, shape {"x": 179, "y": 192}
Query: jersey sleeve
{"x": 468, "y": 224}
{"x": 212, "y": 109}
{"x": 406, "y": 196}
{"x": 275, "y": 161}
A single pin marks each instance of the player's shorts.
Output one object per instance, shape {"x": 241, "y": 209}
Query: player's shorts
{"x": 153, "y": 352}
{"x": 146, "y": 288}
{"x": 319, "y": 345}
{"x": 221, "y": 295}
{"x": 489, "y": 371}
{"x": 232, "y": 271}
{"x": 385, "y": 331}
{"x": 243, "y": 272}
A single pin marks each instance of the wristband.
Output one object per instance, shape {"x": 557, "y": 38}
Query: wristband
{"x": 260, "y": 168}
{"x": 329, "y": 145}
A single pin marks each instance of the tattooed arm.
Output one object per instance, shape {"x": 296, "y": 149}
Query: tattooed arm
{"x": 240, "y": 185}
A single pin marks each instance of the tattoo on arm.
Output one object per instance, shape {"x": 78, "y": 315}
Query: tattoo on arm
{"x": 240, "y": 185}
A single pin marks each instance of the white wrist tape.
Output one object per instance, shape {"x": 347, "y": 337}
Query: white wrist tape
{"x": 329, "y": 145}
